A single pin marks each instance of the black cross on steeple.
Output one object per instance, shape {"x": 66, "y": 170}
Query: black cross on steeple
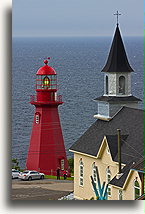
{"x": 117, "y": 14}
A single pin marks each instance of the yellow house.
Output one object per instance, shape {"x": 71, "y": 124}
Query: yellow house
{"x": 100, "y": 146}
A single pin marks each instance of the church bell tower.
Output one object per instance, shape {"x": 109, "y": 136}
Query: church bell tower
{"x": 117, "y": 81}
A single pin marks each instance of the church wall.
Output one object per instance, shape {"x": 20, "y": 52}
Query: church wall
{"x": 87, "y": 192}
{"x": 128, "y": 192}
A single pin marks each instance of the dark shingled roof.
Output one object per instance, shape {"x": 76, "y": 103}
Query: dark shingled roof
{"x": 129, "y": 121}
{"x": 135, "y": 166}
{"x": 117, "y": 59}
{"x": 113, "y": 144}
{"x": 120, "y": 182}
{"x": 139, "y": 165}
{"x": 119, "y": 99}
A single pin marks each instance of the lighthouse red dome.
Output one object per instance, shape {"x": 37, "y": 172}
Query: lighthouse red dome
{"x": 46, "y": 70}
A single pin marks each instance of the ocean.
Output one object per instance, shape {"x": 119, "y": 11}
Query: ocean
{"x": 78, "y": 62}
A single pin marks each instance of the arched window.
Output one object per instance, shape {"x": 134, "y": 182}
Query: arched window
{"x": 120, "y": 194}
{"x": 108, "y": 179}
{"x": 46, "y": 82}
{"x": 81, "y": 172}
{"x": 122, "y": 85}
{"x": 136, "y": 189}
{"x": 94, "y": 173}
{"x": 106, "y": 84}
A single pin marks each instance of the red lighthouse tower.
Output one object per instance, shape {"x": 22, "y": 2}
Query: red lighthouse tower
{"x": 46, "y": 151}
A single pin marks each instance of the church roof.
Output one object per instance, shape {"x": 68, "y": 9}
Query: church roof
{"x": 138, "y": 166}
{"x": 117, "y": 60}
{"x": 129, "y": 121}
{"x": 119, "y": 99}
{"x": 120, "y": 182}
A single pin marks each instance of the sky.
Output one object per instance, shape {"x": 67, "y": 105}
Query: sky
{"x": 43, "y": 18}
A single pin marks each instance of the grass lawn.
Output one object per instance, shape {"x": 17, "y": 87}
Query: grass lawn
{"x": 55, "y": 177}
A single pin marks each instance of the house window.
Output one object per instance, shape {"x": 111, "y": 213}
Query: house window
{"x": 106, "y": 84}
{"x": 121, "y": 85}
{"x": 81, "y": 171}
{"x": 108, "y": 179}
{"x": 94, "y": 173}
{"x": 37, "y": 119}
{"x": 136, "y": 189}
{"x": 120, "y": 194}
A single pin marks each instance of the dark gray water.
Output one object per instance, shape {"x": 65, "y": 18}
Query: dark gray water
{"x": 78, "y": 62}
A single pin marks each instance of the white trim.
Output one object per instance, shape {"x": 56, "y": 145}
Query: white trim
{"x": 102, "y": 117}
{"x": 84, "y": 154}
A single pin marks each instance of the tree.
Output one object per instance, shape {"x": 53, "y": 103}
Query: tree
{"x": 15, "y": 164}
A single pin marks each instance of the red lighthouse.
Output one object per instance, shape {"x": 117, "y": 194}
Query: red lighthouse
{"x": 46, "y": 151}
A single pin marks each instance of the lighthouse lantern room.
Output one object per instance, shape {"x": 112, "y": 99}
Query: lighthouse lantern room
{"x": 46, "y": 150}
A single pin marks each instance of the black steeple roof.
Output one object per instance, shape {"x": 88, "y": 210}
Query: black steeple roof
{"x": 117, "y": 59}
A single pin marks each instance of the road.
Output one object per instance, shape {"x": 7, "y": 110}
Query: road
{"x": 47, "y": 189}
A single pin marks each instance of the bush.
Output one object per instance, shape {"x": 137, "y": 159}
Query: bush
{"x": 71, "y": 164}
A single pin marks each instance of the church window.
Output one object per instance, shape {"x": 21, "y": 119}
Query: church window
{"x": 108, "y": 179}
{"x": 94, "y": 173}
{"x": 136, "y": 189}
{"x": 121, "y": 85}
{"x": 120, "y": 194}
{"x": 81, "y": 171}
{"x": 106, "y": 84}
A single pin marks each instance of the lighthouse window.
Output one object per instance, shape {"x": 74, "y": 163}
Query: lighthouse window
{"x": 37, "y": 119}
{"x": 122, "y": 85}
{"x": 62, "y": 164}
{"x": 46, "y": 82}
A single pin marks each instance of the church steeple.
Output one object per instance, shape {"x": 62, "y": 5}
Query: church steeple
{"x": 117, "y": 81}
{"x": 117, "y": 60}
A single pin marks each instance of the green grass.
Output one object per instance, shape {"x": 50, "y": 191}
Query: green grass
{"x": 55, "y": 177}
